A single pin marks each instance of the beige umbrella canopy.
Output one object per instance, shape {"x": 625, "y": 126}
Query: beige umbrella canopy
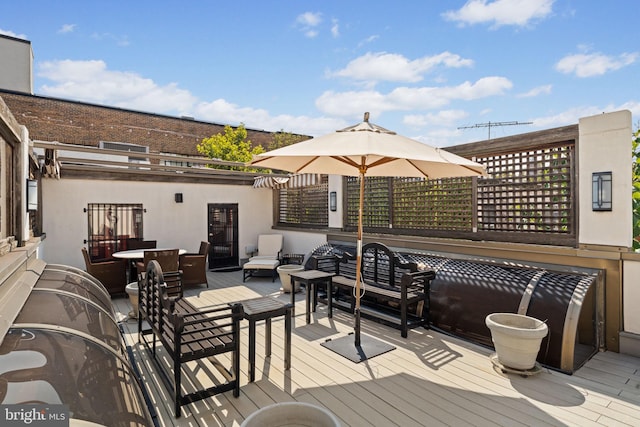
{"x": 367, "y": 149}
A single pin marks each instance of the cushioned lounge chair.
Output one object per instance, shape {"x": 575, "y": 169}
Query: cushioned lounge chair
{"x": 268, "y": 256}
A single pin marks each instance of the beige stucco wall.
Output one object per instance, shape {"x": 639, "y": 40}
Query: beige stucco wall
{"x": 172, "y": 224}
{"x": 605, "y": 145}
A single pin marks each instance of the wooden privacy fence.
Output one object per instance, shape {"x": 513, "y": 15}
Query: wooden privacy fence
{"x": 528, "y": 198}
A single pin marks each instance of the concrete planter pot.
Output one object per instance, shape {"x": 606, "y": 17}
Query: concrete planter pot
{"x": 285, "y": 278}
{"x": 516, "y": 338}
{"x": 132, "y": 291}
{"x": 291, "y": 414}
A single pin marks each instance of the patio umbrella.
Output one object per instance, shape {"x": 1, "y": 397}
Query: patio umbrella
{"x": 363, "y": 150}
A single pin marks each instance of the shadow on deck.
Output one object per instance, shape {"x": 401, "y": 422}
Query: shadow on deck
{"x": 429, "y": 379}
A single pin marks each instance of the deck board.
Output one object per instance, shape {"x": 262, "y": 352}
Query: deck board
{"x": 429, "y": 379}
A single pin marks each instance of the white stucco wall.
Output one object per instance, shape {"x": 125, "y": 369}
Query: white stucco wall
{"x": 630, "y": 296}
{"x": 172, "y": 224}
{"x": 335, "y": 218}
{"x": 605, "y": 145}
{"x": 301, "y": 242}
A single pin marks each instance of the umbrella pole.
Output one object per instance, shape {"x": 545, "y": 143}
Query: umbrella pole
{"x": 359, "y": 257}
{"x": 369, "y": 347}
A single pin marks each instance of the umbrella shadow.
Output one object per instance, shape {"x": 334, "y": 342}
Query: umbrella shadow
{"x": 430, "y": 349}
{"x": 559, "y": 394}
{"x": 383, "y": 401}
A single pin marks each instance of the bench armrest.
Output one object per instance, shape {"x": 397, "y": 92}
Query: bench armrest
{"x": 230, "y": 313}
{"x": 322, "y": 263}
{"x": 417, "y": 280}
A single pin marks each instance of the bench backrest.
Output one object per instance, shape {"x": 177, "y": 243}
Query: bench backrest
{"x": 149, "y": 303}
{"x": 380, "y": 265}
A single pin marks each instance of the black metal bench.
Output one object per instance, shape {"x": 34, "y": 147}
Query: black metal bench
{"x": 391, "y": 285}
{"x": 188, "y": 334}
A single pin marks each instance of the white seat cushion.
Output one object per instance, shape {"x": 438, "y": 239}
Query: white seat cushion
{"x": 261, "y": 264}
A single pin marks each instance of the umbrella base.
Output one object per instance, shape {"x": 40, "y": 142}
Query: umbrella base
{"x": 368, "y": 348}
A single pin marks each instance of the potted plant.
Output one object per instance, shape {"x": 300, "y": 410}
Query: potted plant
{"x": 284, "y": 272}
{"x": 516, "y": 338}
{"x": 291, "y": 414}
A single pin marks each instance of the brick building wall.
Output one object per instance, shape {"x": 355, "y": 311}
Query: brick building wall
{"x": 71, "y": 122}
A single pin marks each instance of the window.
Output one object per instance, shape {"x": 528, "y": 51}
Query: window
{"x": 110, "y": 227}
{"x": 179, "y": 163}
{"x": 129, "y": 148}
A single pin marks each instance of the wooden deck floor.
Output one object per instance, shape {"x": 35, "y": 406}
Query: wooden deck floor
{"x": 429, "y": 379}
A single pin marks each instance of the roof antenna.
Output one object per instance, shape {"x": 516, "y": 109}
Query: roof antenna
{"x": 494, "y": 124}
{"x": 366, "y": 117}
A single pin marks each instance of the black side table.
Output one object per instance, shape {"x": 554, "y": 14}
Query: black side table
{"x": 312, "y": 279}
{"x": 266, "y": 308}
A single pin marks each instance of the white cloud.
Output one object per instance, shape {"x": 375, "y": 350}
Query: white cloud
{"x": 440, "y": 136}
{"x": 310, "y": 19}
{"x": 594, "y": 64}
{"x": 91, "y": 81}
{"x": 335, "y": 28}
{"x": 441, "y": 118}
{"x": 572, "y": 115}
{"x": 500, "y": 12}
{"x": 540, "y": 90}
{"x": 392, "y": 67}
{"x": 308, "y": 23}
{"x": 368, "y": 40}
{"x": 67, "y": 28}
{"x": 12, "y": 34}
{"x": 347, "y": 104}
{"x": 222, "y": 111}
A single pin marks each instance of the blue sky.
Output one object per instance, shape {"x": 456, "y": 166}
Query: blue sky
{"x": 421, "y": 68}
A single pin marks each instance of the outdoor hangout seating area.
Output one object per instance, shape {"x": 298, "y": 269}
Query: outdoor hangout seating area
{"x": 450, "y": 264}
{"x": 454, "y": 379}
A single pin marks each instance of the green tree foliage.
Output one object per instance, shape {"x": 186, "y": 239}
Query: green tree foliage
{"x": 636, "y": 190}
{"x": 232, "y": 145}
{"x": 282, "y": 139}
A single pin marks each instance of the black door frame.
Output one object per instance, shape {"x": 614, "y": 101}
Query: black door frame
{"x": 223, "y": 235}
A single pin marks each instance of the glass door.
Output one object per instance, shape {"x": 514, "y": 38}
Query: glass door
{"x": 223, "y": 235}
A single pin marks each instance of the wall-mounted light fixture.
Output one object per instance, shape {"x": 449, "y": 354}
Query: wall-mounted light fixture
{"x": 601, "y": 191}
{"x": 333, "y": 201}
{"x": 178, "y": 197}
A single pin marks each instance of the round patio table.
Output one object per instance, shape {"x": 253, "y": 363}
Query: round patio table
{"x": 139, "y": 253}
